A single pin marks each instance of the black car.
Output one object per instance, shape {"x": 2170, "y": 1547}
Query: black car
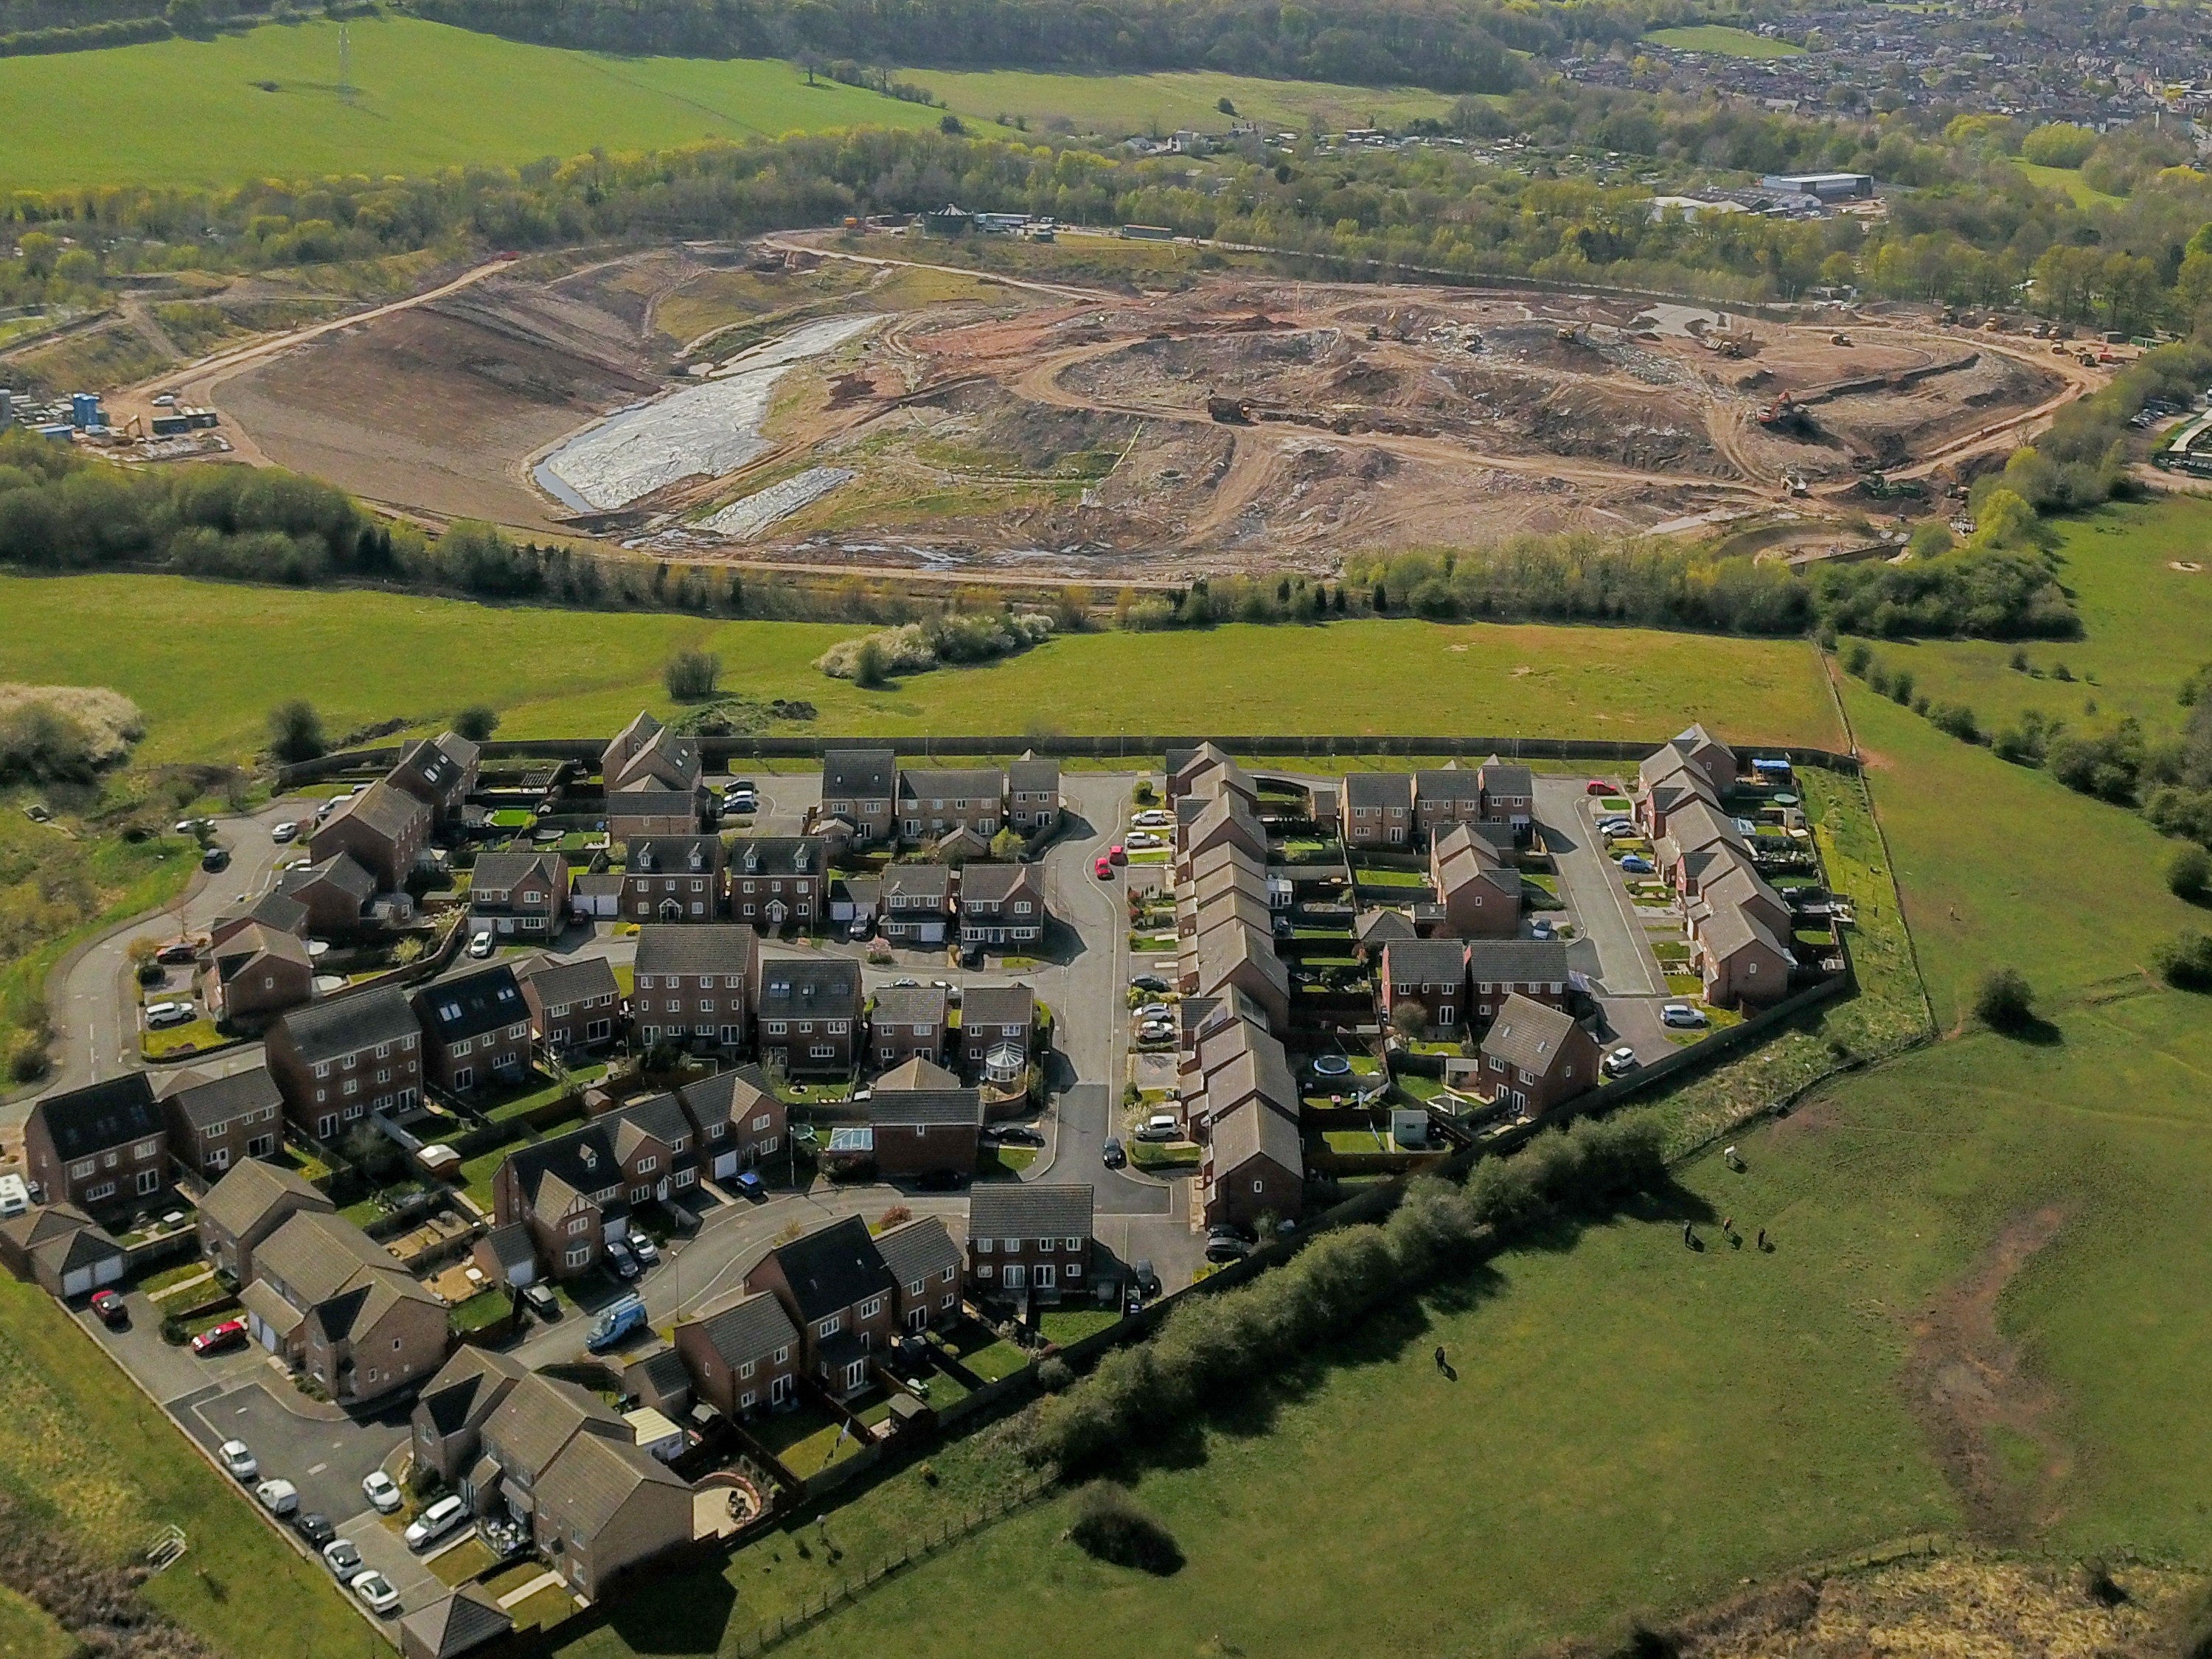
{"x": 1142, "y": 1276}
{"x": 1149, "y": 983}
{"x": 1232, "y": 1230}
{"x": 315, "y": 1528}
{"x": 1017, "y": 1135}
{"x": 1112, "y": 1155}
{"x": 215, "y": 858}
{"x": 942, "y": 1181}
{"x": 1222, "y": 1246}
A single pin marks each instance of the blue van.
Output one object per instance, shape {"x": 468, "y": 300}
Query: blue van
{"x": 617, "y": 1320}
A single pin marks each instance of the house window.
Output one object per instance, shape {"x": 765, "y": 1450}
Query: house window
{"x": 149, "y": 1181}
{"x": 746, "y": 1370}
{"x": 647, "y": 1165}
{"x": 783, "y": 1354}
{"x": 830, "y": 1326}
{"x": 578, "y": 1223}
{"x": 983, "y": 1247}
{"x": 94, "y": 1194}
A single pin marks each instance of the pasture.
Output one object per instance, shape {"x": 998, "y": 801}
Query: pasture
{"x": 1116, "y": 105}
{"x": 1723, "y": 41}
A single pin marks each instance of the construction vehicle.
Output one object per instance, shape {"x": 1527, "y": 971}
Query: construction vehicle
{"x": 1840, "y": 338}
{"x": 1233, "y": 411}
{"x": 1883, "y": 489}
{"x": 1574, "y": 333}
{"x": 1785, "y": 414}
{"x": 1950, "y": 315}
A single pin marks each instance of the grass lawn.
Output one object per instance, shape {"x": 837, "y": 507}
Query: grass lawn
{"x": 426, "y": 96}
{"x": 825, "y": 1442}
{"x": 2069, "y": 179}
{"x": 464, "y": 1561}
{"x": 476, "y": 1174}
{"x": 486, "y": 1307}
{"x": 1725, "y": 41}
{"x": 542, "y": 1610}
{"x": 86, "y": 1447}
{"x": 207, "y": 661}
{"x": 1118, "y": 104}
{"x": 1067, "y": 1325}
{"x": 995, "y": 1360}
{"x": 28, "y": 1632}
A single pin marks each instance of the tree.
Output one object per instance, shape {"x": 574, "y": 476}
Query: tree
{"x": 2186, "y": 961}
{"x": 1225, "y": 106}
{"x": 2004, "y": 1002}
{"x": 870, "y": 671}
{"x": 477, "y": 722}
{"x": 2190, "y": 875}
{"x": 1006, "y": 845}
{"x": 950, "y": 125}
{"x": 692, "y": 676}
{"x": 1409, "y": 1019}
{"x": 295, "y": 732}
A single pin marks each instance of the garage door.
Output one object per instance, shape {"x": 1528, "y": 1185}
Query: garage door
{"x": 76, "y": 1282}
{"x": 725, "y": 1165}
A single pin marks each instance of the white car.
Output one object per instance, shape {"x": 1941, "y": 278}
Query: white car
{"x": 1153, "y": 817}
{"x": 159, "y": 1014}
{"x": 1155, "y": 1030}
{"x": 342, "y": 1559}
{"x": 1143, "y": 838}
{"x": 435, "y": 1522}
{"x": 1154, "y": 1011}
{"x": 284, "y": 832}
{"x": 382, "y": 1492}
{"x": 376, "y": 1593}
{"x": 278, "y": 1497}
{"x": 238, "y": 1459}
{"x": 1680, "y": 1013}
{"x": 644, "y": 1248}
{"x": 480, "y": 943}
{"x": 1621, "y": 1062}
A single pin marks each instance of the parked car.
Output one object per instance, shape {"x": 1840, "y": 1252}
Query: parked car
{"x": 1149, "y": 983}
{"x": 215, "y": 858}
{"x": 1142, "y": 1276}
{"x": 315, "y": 1526}
{"x": 216, "y": 1339}
{"x": 541, "y": 1301}
{"x": 1233, "y": 1230}
{"x": 1155, "y": 1030}
{"x": 1018, "y": 1134}
{"x": 1118, "y": 853}
{"x": 1331, "y": 1066}
{"x": 616, "y": 1321}
{"x": 284, "y": 832}
{"x": 1160, "y": 1126}
{"x": 1112, "y": 1155}
{"x": 1155, "y": 1010}
{"x": 1218, "y": 1249}
{"x": 238, "y": 1460}
{"x": 179, "y": 953}
{"x": 1621, "y": 1061}
{"x": 342, "y": 1559}
{"x": 1599, "y": 787}
{"x": 620, "y": 1259}
{"x": 435, "y": 1522}
{"x": 480, "y": 943}
{"x": 1680, "y": 1013}
{"x": 1152, "y": 816}
{"x": 376, "y": 1590}
{"x": 1143, "y": 838}
{"x": 1633, "y": 864}
{"x": 750, "y": 1185}
{"x": 645, "y": 1251}
{"x": 904, "y": 984}
{"x": 1103, "y": 867}
{"x": 382, "y": 1493}
{"x": 1541, "y": 928}
{"x": 110, "y": 1308}
{"x": 279, "y": 1497}
{"x": 159, "y": 1014}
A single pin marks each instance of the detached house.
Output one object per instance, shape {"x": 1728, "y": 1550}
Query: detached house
{"x": 672, "y": 879}
{"x": 338, "y": 1061}
{"x": 254, "y": 973}
{"x": 1001, "y": 904}
{"x": 1253, "y": 1168}
{"x": 808, "y": 1010}
{"x": 1509, "y": 796}
{"x": 1744, "y": 961}
{"x": 1535, "y": 1057}
{"x": 924, "y": 1267}
{"x": 995, "y": 1023}
{"x": 1033, "y": 807}
{"x": 645, "y": 755}
{"x": 917, "y": 904}
{"x": 1666, "y": 783}
{"x": 452, "y": 1410}
{"x": 335, "y": 891}
{"x": 1029, "y": 1238}
{"x": 333, "y": 1303}
{"x": 859, "y": 790}
{"x": 607, "y": 1507}
{"x": 218, "y": 1123}
{"x": 778, "y": 881}
{"x": 741, "y": 1120}
{"x": 572, "y": 1005}
{"x": 907, "y": 1022}
{"x": 1500, "y": 967}
{"x": 692, "y": 982}
{"x": 383, "y": 829}
{"x": 1480, "y": 896}
{"x": 245, "y": 1207}
{"x": 103, "y": 1147}
{"x": 441, "y": 772}
{"x": 576, "y": 1191}
{"x": 521, "y": 893}
{"x": 476, "y": 1029}
{"x": 925, "y": 1122}
{"x": 934, "y": 801}
{"x": 834, "y": 1284}
{"x": 1376, "y": 809}
{"x": 744, "y": 1357}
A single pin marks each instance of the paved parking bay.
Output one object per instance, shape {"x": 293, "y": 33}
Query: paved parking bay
{"x": 325, "y": 1457}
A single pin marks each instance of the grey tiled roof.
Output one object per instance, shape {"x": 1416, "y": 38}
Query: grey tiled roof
{"x": 810, "y": 987}
{"x": 204, "y": 1101}
{"x": 558, "y": 983}
{"x": 917, "y": 1249}
{"x": 82, "y": 1121}
{"x": 696, "y": 947}
{"x": 1023, "y": 1209}
{"x": 346, "y": 1022}
{"x": 998, "y": 1006}
{"x": 831, "y": 1269}
{"x": 749, "y": 1329}
{"x": 910, "y": 1005}
{"x": 1527, "y": 1035}
{"x": 1426, "y": 961}
{"x": 859, "y": 774}
{"x": 472, "y": 1004}
{"x": 1517, "y": 960}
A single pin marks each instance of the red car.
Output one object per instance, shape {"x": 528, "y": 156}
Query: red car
{"x": 1598, "y": 787}
{"x": 1118, "y": 853}
{"x": 109, "y": 1306}
{"x": 1103, "y": 867}
{"x": 231, "y": 1333}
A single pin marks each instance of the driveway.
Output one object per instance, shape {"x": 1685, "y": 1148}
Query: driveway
{"x": 167, "y": 1373}
{"x": 323, "y": 1456}
{"x": 1591, "y": 887}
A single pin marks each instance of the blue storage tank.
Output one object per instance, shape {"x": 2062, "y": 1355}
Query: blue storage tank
{"x": 84, "y": 410}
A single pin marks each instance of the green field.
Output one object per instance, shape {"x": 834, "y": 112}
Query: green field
{"x": 1727, "y": 42}
{"x": 206, "y": 661}
{"x": 26, "y": 1631}
{"x": 2069, "y": 179}
{"x": 1117, "y": 104}
{"x": 425, "y": 96}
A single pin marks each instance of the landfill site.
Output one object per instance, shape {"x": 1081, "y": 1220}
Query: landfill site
{"x": 855, "y": 402}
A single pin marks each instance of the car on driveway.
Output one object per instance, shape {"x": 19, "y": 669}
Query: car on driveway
{"x": 279, "y": 1497}
{"x": 342, "y": 1559}
{"x": 1155, "y": 1030}
{"x": 1160, "y": 1126}
{"x": 1634, "y": 864}
{"x": 1152, "y": 816}
{"x": 1681, "y": 1014}
{"x": 382, "y": 1493}
{"x": 113, "y": 1310}
{"x": 1621, "y": 1061}
{"x": 159, "y": 1014}
{"x": 542, "y": 1301}
{"x": 1221, "y": 1248}
{"x": 1142, "y": 1276}
{"x": 1233, "y": 1230}
{"x": 1112, "y": 1155}
{"x": 218, "y": 1339}
{"x": 620, "y": 1259}
{"x": 238, "y": 1460}
{"x": 1018, "y": 1134}
{"x": 1599, "y": 787}
{"x": 435, "y": 1522}
{"x": 1540, "y": 928}
{"x": 750, "y": 1185}
{"x": 284, "y": 832}
{"x": 1103, "y": 867}
{"x": 646, "y": 1250}
{"x": 1154, "y": 1011}
{"x": 376, "y": 1593}
{"x": 480, "y": 943}
{"x": 178, "y": 953}
{"x": 1151, "y": 983}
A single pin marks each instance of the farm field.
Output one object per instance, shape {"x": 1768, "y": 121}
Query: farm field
{"x": 1115, "y": 105}
{"x": 194, "y": 111}
{"x": 2069, "y": 179}
{"x": 1727, "y": 42}
{"x": 206, "y": 662}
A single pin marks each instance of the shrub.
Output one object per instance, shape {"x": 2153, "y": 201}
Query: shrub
{"x": 26, "y": 1057}
{"x": 1056, "y": 1376}
{"x": 2186, "y": 962}
{"x": 2190, "y": 875}
{"x": 2004, "y": 1002}
{"x": 692, "y": 676}
{"x": 1111, "y": 1526}
{"x": 295, "y": 732}
{"x": 1900, "y": 686}
{"x": 1956, "y": 718}
{"x": 477, "y": 722}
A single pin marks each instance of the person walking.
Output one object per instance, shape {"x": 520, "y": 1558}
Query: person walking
{"x": 1762, "y": 1238}
{"x": 1441, "y": 1365}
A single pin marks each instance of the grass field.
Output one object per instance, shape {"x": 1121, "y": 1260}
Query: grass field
{"x": 26, "y": 1631}
{"x": 206, "y": 662}
{"x": 425, "y": 96}
{"x": 82, "y": 1445}
{"x": 1727, "y": 42}
{"x": 2069, "y": 179}
{"x": 1117, "y": 104}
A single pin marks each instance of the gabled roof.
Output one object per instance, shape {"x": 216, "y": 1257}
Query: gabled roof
{"x": 673, "y": 855}
{"x": 749, "y": 1329}
{"x": 1425, "y": 961}
{"x": 1258, "y": 1069}
{"x": 318, "y": 1254}
{"x": 351, "y": 1021}
{"x": 202, "y": 1101}
{"x": 696, "y": 947}
{"x": 457, "y": 1623}
{"x": 998, "y": 1005}
{"x": 951, "y": 783}
{"x": 1026, "y": 1209}
{"x": 465, "y": 1386}
{"x": 541, "y": 1414}
{"x": 931, "y": 882}
{"x": 340, "y": 870}
{"x": 1699, "y": 824}
{"x": 831, "y": 1269}
{"x": 1507, "y": 777}
{"x": 1253, "y": 1131}
{"x": 469, "y": 1006}
{"x": 80, "y": 1247}
{"x": 1378, "y": 789}
{"x": 100, "y": 1115}
{"x": 1380, "y": 926}
{"x": 1448, "y": 783}
{"x": 779, "y": 855}
{"x": 917, "y": 1249}
{"x": 732, "y": 1097}
{"x": 248, "y": 1191}
{"x": 255, "y": 943}
{"x": 388, "y": 811}
{"x": 860, "y": 773}
{"x": 911, "y": 1004}
{"x": 929, "y": 1105}
{"x": 588, "y": 1159}
{"x": 274, "y": 908}
{"x": 995, "y": 884}
{"x": 43, "y": 1225}
{"x": 594, "y": 1476}
{"x": 439, "y": 763}
{"x": 809, "y": 988}
{"x": 1517, "y": 960}
{"x": 558, "y": 983}
{"x": 1529, "y": 1036}
{"x": 1226, "y": 822}
{"x": 1033, "y": 773}
{"x": 502, "y": 872}
{"x": 1741, "y": 884}
{"x": 1731, "y": 929}
{"x": 1223, "y": 950}
{"x": 658, "y": 1117}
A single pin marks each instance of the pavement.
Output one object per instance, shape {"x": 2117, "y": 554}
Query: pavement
{"x": 1612, "y": 945}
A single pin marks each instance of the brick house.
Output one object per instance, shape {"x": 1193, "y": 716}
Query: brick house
{"x": 1253, "y": 1168}
{"x": 1509, "y": 796}
{"x": 576, "y": 1191}
{"x": 1444, "y": 796}
{"x": 834, "y": 1284}
{"x": 917, "y": 904}
{"x": 451, "y": 1412}
{"x": 383, "y": 829}
{"x": 1496, "y": 968}
{"x": 1033, "y": 807}
{"x": 218, "y": 1123}
{"x": 924, "y": 1267}
{"x": 742, "y": 1358}
{"x": 336, "y": 1061}
{"x": 1713, "y": 760}
{"x": 1479, "y": 895}
{"x": 646, "y": 755}
{"x": 1221, "y": 823}
{"x": 1376, "y": 809}
{"x": 925, "y": 1122}
{"x": 1666, "y": 783}
{"x": 996, "y": 1024}
{"x": 1231, "y": 1068}
{"x": 245, "y": 1207}
{"x": 1430, "y": 973}
{"x": 933, "y": 801}
{"x": 255, "y": 973}
{"x": 1699, "y": 838}
{"x": 101, "y": 1148}
{"x": 1240, "y": 960}
{"x": 1029, "y": 1237}
{"x": 692, "y": 982}
{"x": 641, "y": 813}
{"x": 274, "y": 909}
{"x": 523, "y": 893}
{"x": 860, "y": 789}
{"x": 1744, "y": 961}
{"x": 1001, "y": 904}
{"x": 907, "y": 1022}
{"x": 809, "y": 1013}
{"x": 335, "y": 890}
{"x": 778, "y": 881}
{"x": 1534, "y": 1057}
{"x": 740, "y": 1120}
{"x": 672, "y": 879}
{"x": 605, "y": 1508}
{"x": 572, "y": 1005}
{"x": 441, "y": 772}
{"x": 337, "y": 1306}
{"x": 1742, "y": 887}
{"x": 1208, "y": 772}
{"x": 476, "y": 1029}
